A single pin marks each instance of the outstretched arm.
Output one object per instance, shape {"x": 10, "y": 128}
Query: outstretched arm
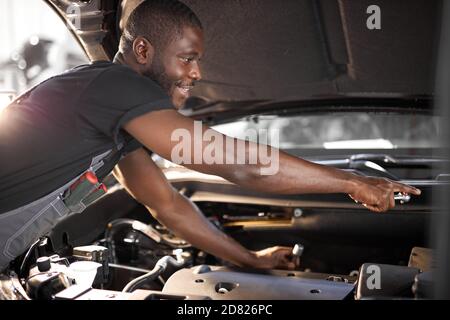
{"x": 146, "y": 183}
{"x": 294, "y": 175}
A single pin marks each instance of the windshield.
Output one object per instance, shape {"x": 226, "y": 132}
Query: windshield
{"x": 343, "y": 130}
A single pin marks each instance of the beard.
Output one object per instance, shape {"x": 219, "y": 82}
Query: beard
{"x": 157, "y": 74}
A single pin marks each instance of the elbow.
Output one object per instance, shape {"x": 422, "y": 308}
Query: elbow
{"x": 164, "y": 209}
{"x": 242, "y": 174}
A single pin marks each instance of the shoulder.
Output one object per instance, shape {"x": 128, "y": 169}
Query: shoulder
{"x": 115, "y": 76}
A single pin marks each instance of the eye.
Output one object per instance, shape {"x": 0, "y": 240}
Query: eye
{"x": 187, "y": 59}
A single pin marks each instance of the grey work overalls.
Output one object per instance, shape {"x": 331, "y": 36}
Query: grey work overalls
{"x": 20, "y": 227}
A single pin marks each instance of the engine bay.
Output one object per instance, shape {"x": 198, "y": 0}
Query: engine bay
{"x": 117, "y": 250}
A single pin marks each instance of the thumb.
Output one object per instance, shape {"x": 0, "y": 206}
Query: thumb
{"x": 287, "y": 262}
{"x": 291, "y": 266}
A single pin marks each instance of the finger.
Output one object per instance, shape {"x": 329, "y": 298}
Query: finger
{"x": 399, "y": 187}
{"x": 296, "y": 261}
{"x": 291, "y": 266}
{"x": 386, "y": 204}
{"x": 287, "y": 263}
{"x": 356, "y": 201}
{"x": 391, "y": 201}
{"x": 285, "y": 251}
{"x": 372, "y": 208}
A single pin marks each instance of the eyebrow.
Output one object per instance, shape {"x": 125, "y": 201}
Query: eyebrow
{"x": 192, "y": 52}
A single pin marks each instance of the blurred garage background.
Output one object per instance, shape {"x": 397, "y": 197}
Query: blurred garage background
{"x": 33, "y": 47}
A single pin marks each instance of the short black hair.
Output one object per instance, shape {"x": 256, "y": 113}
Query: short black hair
{"x": 159, "y": 21}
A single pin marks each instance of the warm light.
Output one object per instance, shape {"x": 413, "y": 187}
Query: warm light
{"x": 5, "y": 99}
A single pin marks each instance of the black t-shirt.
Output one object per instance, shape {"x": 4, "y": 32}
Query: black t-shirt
{"x": 51, "y": 135}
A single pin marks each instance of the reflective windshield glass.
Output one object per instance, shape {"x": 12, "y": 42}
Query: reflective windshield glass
{"x": 343, "y": 130}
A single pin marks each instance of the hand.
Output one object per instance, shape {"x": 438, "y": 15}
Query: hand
{"x": 274, "y": 258}
{"x": 377, "y": 194}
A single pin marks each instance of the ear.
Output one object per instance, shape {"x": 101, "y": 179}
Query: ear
{"x": 143, "y": 50}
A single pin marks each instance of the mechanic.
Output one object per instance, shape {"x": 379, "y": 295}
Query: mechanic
{"x": 106, "y": 115}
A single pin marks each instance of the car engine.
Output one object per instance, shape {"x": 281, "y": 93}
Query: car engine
{"x": 116, "y": 250}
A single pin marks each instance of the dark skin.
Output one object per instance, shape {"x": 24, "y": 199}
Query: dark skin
{"x": 146, "y": 183}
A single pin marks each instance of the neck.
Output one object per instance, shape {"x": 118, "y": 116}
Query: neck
{"x": 119, "y": 58}
{"x": 124, "y": 59}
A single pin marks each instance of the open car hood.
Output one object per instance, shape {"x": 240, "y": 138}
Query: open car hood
{"x": 265, "y": 50}
{"x": 320, "y": 58}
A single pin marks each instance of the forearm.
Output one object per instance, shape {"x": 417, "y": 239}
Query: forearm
{"x": 279, "y": 172}
{"x": 185, "y": 220}
{"x": 294, "y": 176}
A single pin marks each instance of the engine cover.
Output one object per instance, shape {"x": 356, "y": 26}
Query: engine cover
{"x": 221, "y": 283}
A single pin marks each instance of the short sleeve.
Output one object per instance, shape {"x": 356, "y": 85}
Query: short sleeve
{"x": 116, "y": 96}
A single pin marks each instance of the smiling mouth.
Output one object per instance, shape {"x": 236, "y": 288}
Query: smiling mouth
{"x": 184, "y": 89}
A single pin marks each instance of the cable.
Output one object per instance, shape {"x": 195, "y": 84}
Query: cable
{"x": 159, "y": 268}
{"x": 27, "y": 256}
{"x": 109, "y": 234}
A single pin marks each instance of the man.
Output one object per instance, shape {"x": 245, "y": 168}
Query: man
{"x": 52, "y": 135}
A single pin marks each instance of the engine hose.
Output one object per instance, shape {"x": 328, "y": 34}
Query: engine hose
{"x": 143, "y": 228}
{"x": 109, "y": 234}
{"x": 159, "y": 268}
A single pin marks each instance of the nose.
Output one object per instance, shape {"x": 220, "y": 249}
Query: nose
{"x": 195, "y": 73}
